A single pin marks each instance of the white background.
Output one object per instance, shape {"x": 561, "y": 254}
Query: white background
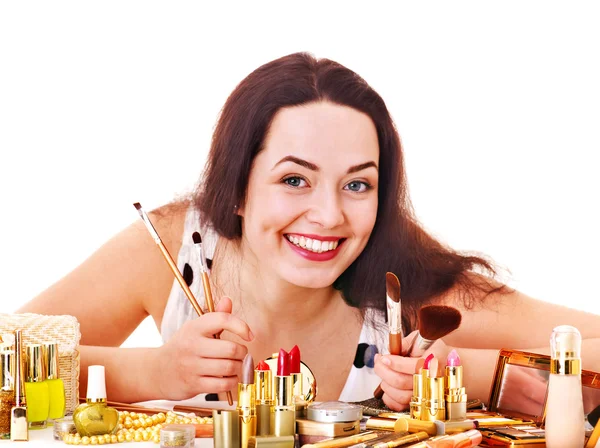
{"x": 498, "y": 105}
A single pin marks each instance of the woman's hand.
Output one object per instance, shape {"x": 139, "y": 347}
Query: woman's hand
{"x": 396, "y": 372}
{"x": 193, "y": 362}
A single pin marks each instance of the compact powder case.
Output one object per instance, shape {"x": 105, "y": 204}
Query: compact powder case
{"x": 334, "y": 411}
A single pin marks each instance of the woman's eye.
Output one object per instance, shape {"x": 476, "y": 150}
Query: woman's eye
{"x": 294, "y": 181}
{"x": 358, "y": 186}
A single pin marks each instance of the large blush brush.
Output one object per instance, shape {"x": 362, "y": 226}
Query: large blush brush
{"x": 394, "y": 316}
{"x": 435, "y": 322}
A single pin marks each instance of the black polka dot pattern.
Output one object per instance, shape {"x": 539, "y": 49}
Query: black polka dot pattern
{"x": 188, "y": 274}
{"x": 209, "y": 263}
{"x": 365, "y": 355}
{"x": 211, "y": 397}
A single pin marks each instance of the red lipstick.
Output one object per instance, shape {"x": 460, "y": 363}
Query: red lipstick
{"x": 428, "y": 361}
{"x": 298, "y": 381}
{"x": 263, "y": 380}
{"x": 262, "y": 366}
{"x": 456, "y": 397}
{"x": 294, "y": 356}
{"x": 283, "y": 413}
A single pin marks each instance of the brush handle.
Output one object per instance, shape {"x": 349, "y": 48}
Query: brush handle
{"x": 395, "y": 349}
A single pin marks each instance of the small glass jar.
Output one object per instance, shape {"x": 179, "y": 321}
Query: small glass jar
{"x": 175, "y": 437}
{"x": 64, "y": 427}
{"x": 190, "y": 428}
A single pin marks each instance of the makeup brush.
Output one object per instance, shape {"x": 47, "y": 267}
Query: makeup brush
{"x": 175, "y": 270}
{"x": 435, "y": 322}
{"x": 210, "y": 304}
{"x": 168, "y": 258}
{"x": 394, "y": 316}
{"x": 204, "y": 272}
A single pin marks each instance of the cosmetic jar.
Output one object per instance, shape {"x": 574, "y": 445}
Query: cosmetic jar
{"x": 333, "y": 411}
{"x": 63, "y": 427}
{"x": 191, "y": 429}
{"x": 175, "y": 437}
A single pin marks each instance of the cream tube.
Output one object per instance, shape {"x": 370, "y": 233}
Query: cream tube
{"x": 565, "y": 423}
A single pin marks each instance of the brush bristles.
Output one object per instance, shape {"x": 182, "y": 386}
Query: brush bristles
{"x": 197, "y": 238}
{"x": 137, "y": 206}
{"x": 436, "y": 321}
{"x": 392, "y": 285}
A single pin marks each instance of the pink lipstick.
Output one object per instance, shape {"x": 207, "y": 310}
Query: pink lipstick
{"x": 418, "y": 397}
{"x": 456, "y": 397}
{"x": 283, "y": 412}
{"x": 434, "y": 407}
{"x": 263, "y": 379}
{"x": 246, "y": 405}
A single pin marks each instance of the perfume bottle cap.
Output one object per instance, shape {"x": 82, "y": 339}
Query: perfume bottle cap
{"x": 96, "y": 389}
{"x": 7, "y": 370}
{"x": 52, "y": 361}
{"x": 565, "y": 343}
{"x": 36, "y": 364}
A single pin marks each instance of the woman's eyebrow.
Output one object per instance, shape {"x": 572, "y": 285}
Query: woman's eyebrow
{"x": 313, "y": 167}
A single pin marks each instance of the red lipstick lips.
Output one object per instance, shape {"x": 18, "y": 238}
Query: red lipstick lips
{"x": 314, "y": 256}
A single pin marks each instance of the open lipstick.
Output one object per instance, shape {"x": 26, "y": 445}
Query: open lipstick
{"x": 297, "y": 380}
{"x": 456, "y": 397}
{"x": 263, "y": 379}
{"x": 434, "y": 407}
{"x": 418, "y": 398}
{"x": 246, "y": 406}
{"x": 394, "y": 317}
{"x": 283, "y": 413}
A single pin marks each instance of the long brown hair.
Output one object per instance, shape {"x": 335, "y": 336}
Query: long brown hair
{"x": 426, "y": 268}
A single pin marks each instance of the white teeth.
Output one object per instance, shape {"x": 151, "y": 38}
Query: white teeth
{"x": 312, "y": 245}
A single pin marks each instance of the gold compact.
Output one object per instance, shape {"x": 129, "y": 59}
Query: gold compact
{"x": 527, "y": 436}
{"x": 310, "y": 382}
{"x": 520, "y": 386}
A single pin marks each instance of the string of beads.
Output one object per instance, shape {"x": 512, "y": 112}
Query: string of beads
{"x": 136, "y": 427}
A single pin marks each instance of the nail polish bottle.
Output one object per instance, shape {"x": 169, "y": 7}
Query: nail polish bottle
{"x": 36, "y": 389}
{"x": 19, "y": 428}
{"x": 565, "y": 422}
{"x": 7, "y": 391}
{"x": 56, "y": 387}
{"x": 94, "y": 417}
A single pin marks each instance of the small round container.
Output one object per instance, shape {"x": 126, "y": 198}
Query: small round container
{"x": 63, "y": 427}
{"x": 175, "y": 437}
{"x": 191, "y": 429}
{"x": 333, "y": 411}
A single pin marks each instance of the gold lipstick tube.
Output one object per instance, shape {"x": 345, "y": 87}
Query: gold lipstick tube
{"x": 226, "y": 429}
{"x": 272, "y": 442}
{"x": 263, "y": 379}
{"x": 341, "y": 442}
{"x": 416, "y": 401}
{"x": 246, "y": 408}
{"x": 387, "y": 424}
{"x": 403, "y": 440}
{"x": 434, "y": 407}
{"x": 283, "y": 411}
{"x": 455, "y": 394}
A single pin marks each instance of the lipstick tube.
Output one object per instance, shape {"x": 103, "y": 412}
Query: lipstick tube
{"x": 455, "y": 394}
{"x": 263, "y": 380}
{"x": 401, "y": 440}
{"x": 246, "y": 406}
{"x": 416, "y": 401}
{"x": 297, "y": 380}
{"x": 434, "y": 407}
{"x": 283, "y": 411}
{"x": 226, "y": 431}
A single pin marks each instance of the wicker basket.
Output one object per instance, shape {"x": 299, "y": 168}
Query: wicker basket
{"x": 64, "y": 330}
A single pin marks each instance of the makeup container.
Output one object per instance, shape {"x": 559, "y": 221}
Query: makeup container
{"x": 7, "y": 391}
{"x": 191, "y": 429}
{"x": 387, "y": 424}
{"x": 283, "y": 411}
{"x": 19, "y": 428}
{"x": 565, "y": 423}
{"x": 226, "y": 429}
{"x": 263, "y": 380}
{"x": 36, "y": 388}
{"x": 271, "y": 442}
{"x": 434, "y": 408}
{"x": 56, "y": 387}
{"x": 455, "y": 394}
{"x": 246, "y": 405}
{"x": 63, "y": 427}
{"x": 334, "y": 411}
{"x": 329, "y": 419}
{"x": 176, "y": 437}
{"x": 94, "y": 417}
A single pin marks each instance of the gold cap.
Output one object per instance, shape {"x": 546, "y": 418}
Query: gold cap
{"x": 7, "y": 370}
{"x": 565, "y": 348}
{"x": 271, "y": 442}
{"x": 226, "y": 428}
{"x": 52, "y": 361}
{"x": 35, "y": 371}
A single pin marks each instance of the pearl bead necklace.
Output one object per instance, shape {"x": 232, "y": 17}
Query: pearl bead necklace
{"x": 136, "y": 427}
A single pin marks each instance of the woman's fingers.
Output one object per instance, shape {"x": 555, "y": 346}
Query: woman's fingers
{"x": 221, "y": 348}
{"x": 213, "y": 323}
{"x": 398, "y": 400}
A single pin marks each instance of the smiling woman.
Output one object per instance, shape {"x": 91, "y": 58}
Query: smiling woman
{"x": 302, "y": 209}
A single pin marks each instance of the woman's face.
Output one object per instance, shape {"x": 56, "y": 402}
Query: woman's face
{"x": 311, "y": 201}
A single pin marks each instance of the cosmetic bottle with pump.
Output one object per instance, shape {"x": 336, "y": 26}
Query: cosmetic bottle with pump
{"x": 565, "y": 423}
{"x": 7, "y": 391}
{"x": 36, "y": 388}
{"x": 94, "y": 417}
{"x": 19, "y": 428}
{"x": 56, "y": 387}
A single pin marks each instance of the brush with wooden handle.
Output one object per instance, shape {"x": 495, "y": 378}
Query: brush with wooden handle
{"x": 394, "y": 316}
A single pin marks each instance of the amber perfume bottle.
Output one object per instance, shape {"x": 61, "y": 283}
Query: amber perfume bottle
{"x": 36, "y": 388}
{"x": 94, "y": 417}
{"x": 7, "y": 391}
{"x": 56, "y": 387}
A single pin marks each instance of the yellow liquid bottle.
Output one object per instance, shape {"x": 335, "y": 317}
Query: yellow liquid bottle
{"x": 37, "y": 395}
{"x": 56, "y": 387}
